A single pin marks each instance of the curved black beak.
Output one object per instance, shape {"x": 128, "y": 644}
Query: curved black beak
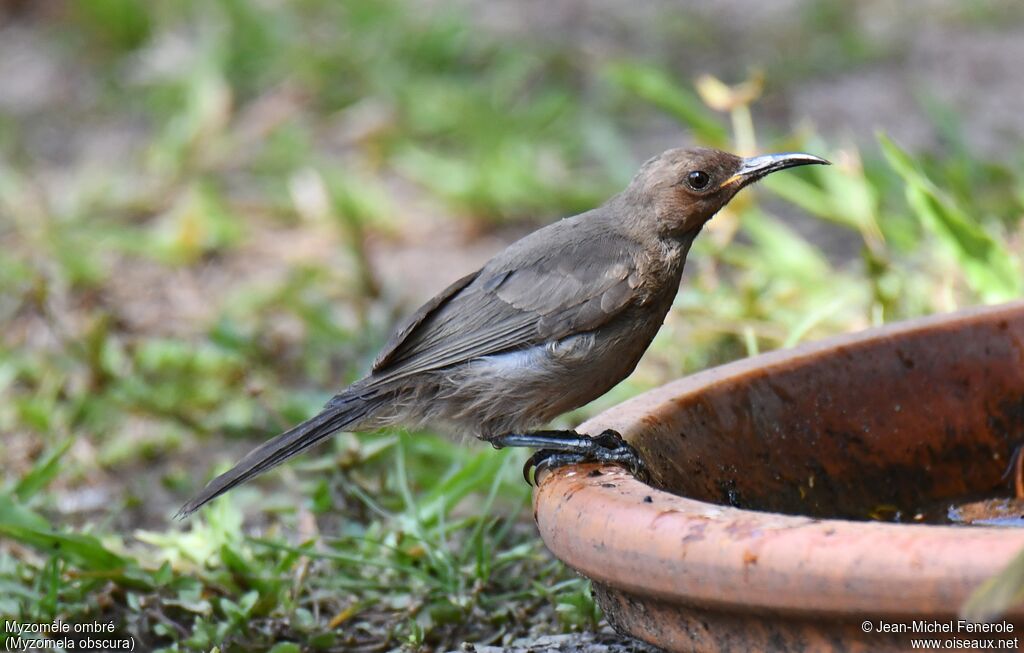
{"x": 756, "y": 167}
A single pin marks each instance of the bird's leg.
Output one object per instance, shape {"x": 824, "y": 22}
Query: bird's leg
{"x": 559, "y": 448}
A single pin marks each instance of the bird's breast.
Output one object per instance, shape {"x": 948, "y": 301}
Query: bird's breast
{"x": 659, "y": 267}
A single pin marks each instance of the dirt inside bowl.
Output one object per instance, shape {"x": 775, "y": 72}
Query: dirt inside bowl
{"x": 916, "y": 426}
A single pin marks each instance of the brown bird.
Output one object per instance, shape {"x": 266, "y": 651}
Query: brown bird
{"x": 552, "y": 322}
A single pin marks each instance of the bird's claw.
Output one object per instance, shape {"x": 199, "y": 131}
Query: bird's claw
{"x": 606, "y": 447}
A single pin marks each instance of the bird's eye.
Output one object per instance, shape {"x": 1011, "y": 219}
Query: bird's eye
{"x": 698, "y": 180}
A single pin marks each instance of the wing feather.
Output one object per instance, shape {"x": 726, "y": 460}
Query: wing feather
{"x": 532, "y": 293}
{"x": 388, "y": 352}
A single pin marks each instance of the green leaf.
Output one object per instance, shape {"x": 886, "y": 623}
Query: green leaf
{"x": 988, "y": 268}
{"x": 469, "y": 477}
{"x": 846, "y": 198}
{"x": 117, "y": 24}
{"x": 791, "y": 254}
{"x": 14, "y": 514}
{"x": 657, "y": 87}
{"x": 996, "y": 595}
{"x": 164, "y": 575}
{"x": 83, "y": 551}
{"x": 41, "y": 473}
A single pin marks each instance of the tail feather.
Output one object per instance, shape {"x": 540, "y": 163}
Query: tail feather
{"x": 345, "y": 410}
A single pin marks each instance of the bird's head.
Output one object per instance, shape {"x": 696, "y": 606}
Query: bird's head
{"x": 686, "y": 187}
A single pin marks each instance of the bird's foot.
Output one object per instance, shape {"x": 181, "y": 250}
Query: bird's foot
{"x": 560, "y": 448}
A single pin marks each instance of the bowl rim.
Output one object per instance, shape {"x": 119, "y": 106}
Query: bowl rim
{"x": 621, "y": 417}
{"x": 633, "y": 537}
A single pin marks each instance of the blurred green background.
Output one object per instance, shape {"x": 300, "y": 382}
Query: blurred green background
{"x": 212, "y": 212}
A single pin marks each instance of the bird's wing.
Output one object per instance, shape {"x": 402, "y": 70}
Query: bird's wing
{"x": 417, "y": 318}
{"x": 512, "y": 304}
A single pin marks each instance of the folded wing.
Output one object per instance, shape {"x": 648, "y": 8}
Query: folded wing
{"x": 514, "y": 303}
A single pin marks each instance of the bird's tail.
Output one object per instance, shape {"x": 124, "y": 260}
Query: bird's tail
{"x": 343, "y": 411}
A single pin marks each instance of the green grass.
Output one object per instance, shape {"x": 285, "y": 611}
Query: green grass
{"x": 165, "y": 308}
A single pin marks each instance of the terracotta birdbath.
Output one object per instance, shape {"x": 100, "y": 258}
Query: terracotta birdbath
{"x": 760, "y": 529}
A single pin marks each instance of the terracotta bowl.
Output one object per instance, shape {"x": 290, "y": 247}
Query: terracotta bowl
{"x": 767, "y": 470}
